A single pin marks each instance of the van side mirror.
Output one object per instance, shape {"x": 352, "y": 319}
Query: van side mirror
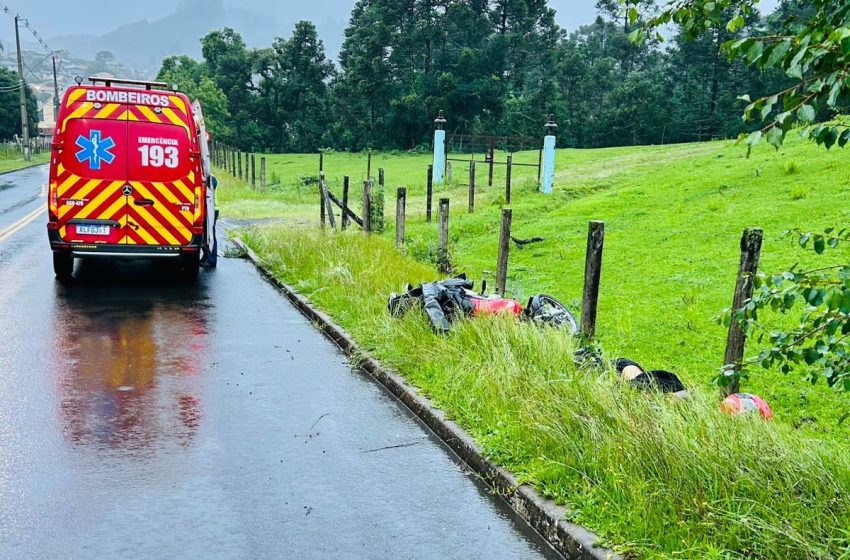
{"x": 213, "y": 182}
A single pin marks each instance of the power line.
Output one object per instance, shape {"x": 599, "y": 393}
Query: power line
{"x": 26, "y": 22}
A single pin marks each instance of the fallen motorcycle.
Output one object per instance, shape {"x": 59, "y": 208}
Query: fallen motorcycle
{"x": 447, "y": 300}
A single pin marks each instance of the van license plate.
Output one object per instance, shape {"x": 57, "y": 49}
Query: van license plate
{"x": 92, "y": 230}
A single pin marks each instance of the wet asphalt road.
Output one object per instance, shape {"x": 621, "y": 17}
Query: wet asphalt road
{"x": 142, "y": 418}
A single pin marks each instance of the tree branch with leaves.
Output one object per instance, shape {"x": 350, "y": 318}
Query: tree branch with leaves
{"x": 810, "y": 45}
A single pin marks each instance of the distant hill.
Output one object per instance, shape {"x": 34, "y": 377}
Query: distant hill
{"x": 144, "y": 44}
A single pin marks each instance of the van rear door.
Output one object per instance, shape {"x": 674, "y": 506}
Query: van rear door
{"x": 162, "y": 171}
{"x": 92, "y": 171}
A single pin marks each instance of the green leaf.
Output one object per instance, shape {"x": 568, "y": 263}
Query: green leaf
{"x": 806, "y": 113}
{"x": 775, "y": 137}
{"x": 831, "y": 137}
{"x": 736, "y": 23}
{"x": 820, "y": 244}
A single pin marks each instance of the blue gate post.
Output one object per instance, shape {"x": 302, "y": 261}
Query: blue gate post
{"x": 548, "y": 179}
{"x": 439, "y": 148}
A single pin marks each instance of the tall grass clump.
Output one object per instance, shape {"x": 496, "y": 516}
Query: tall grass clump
{"x": 656, "y": 477}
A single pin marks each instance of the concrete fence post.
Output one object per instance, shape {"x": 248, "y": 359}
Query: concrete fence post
{"x": 548, "y": 180}
{"x": 439, "y": 164}
{"x": 400, "y": 204}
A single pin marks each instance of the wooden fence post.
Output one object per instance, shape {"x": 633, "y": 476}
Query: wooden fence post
{"x": 247, "y": 166}
{"x": 321, "y": 162}
{"x": 263, "y": 172}
{"x": 369, "y": 165}
{"x": 508, "y": 179}
{"x": 381, "y": 177}
{"x": 747, "y": 269}
{"x": 471, "y": 187}
{"x": 239, "y": 166}
{"x": 233, "y": 163}
{"x": 322, "y": 198}
{"x": 504, "y": 251}
{"x": 429, "y": 193}
{"x": 400, "y": 204}
{"x": 345, "y": 218}
{"x": 326, "y": 199}
{"x": 253, "y": 170}
{"x": 443, "y": 237}
{"x": 367, "y": 206}
{"x": 592, "y": 275}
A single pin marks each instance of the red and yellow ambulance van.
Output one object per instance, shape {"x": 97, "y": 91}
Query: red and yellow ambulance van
{"x": 130, "y": 177}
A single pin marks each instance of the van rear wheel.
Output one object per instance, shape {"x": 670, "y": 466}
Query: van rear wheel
{"x": 190, "y": 263}
{"x": 63, "y": 265}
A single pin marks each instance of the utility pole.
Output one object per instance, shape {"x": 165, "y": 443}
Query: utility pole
{"x": 55, "y": 91}
{"x": 23, "y": 95}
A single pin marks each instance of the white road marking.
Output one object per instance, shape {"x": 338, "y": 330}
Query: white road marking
{"x": 11, "y": 230}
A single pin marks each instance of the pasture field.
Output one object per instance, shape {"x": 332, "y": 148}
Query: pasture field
{"x": 674, "y": 217}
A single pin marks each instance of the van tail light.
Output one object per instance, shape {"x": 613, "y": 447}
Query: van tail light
{"x": 197, "y": 216}
{"x": 53, "y": 202}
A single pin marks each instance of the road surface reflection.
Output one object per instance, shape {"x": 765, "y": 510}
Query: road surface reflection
{"x": 129, "y": 351}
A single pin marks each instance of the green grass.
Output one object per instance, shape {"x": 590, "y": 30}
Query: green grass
{"x": 674, "y": 218}
{"x": 12, "y": 161}
{"x": 658, "y": 478}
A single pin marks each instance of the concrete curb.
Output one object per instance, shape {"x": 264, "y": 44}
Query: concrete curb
{"x": 573, "y": 541}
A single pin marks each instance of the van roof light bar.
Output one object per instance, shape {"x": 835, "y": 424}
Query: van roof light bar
{"x": 109, "y": 81}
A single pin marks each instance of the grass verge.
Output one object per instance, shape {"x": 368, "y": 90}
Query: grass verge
{"x": 657, "y": 478}
{"x": 12, "y": 161}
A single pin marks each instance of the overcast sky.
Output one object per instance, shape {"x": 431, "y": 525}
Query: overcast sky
{"x": 87, "y": 17}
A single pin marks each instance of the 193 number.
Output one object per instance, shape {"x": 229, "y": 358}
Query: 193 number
{"x": 158, "y": 156}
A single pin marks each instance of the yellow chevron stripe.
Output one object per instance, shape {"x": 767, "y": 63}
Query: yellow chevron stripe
{"x": 128, "y": 240}
{"x": 172, "y": 116}
{"x": 74, "y": 95}
{"x": 184, "y": 190}
{"x": 178, "y": 102}
{"x": 166, "y": 212}
{"x": 82, "y": 193}
{"x": 110, "y": 212}
{"x": 150, "y": 115}
{"x": 77, "y": 113}
{"x": 154, "y": 223}
{"x": 107, "y": 110}
{"x": 67, "y": 184}
{"x": 146, "y": 237}
{"x": 92, "y": 205}
{"x": 63, "y": 232}
{"x": 168, "y": 193}
{"x": 132, "y": 116}
{"x": 60, "y": 169}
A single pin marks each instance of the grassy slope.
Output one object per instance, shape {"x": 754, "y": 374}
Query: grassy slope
{"x": 14, "y": 161}
{"x": 657, "y": 477}
{"x": 674, "y": 218}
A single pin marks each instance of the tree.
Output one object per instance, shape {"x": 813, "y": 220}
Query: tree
{"x": 813, "y": 52}
{"x": 193, "y": 79}
{"x": 103, "y": 61}
{"x": 230, "y": 66}
{"x": 296, "y": 91}
{"x": 10, "y": 106}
